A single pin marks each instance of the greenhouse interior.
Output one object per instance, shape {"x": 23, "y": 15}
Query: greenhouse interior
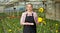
{"x": 48, "y": 12}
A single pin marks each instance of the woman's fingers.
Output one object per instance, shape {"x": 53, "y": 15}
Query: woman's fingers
{"x": 32, "y": 23}
{"x": 29, "y": 23}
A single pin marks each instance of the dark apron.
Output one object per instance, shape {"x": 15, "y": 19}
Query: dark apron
{"x": 29, "y": 28}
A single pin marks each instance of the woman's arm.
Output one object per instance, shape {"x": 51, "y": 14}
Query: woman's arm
{"x": 36, "y": 18}
{"x": 22, "y": 20}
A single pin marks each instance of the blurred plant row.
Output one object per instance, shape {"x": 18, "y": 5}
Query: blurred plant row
{"x": 11, "y": 23}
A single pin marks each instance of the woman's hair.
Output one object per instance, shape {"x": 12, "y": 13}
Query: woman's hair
{"x": 29, "y": 4}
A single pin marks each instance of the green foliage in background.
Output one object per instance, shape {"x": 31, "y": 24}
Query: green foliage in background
{"x": 11, "y": 24}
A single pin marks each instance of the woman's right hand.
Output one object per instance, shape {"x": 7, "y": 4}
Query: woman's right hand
{"x": 30, "y": 23}
{"x": 26, "y": 23}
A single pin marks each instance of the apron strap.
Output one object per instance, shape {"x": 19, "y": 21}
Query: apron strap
{"x": 32, "y": 14}
{"x": 26, "y": 14}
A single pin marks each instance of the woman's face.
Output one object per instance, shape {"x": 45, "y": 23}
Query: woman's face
{"x": 29, "y": 7}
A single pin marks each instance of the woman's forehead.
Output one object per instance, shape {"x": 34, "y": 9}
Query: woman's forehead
{"x": 29, "y": 5}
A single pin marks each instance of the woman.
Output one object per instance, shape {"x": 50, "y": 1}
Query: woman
{"x": 29, "y": 20}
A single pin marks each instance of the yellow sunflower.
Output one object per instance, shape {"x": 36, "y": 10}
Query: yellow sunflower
{"x": 56, "y": 31}
{"x": 44, "y": 22}
{"x": 41, "y": 10}
{"x": 40, "y": 19}
{"x": 56, "y": 24}
{"x": 9, "y": 30}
